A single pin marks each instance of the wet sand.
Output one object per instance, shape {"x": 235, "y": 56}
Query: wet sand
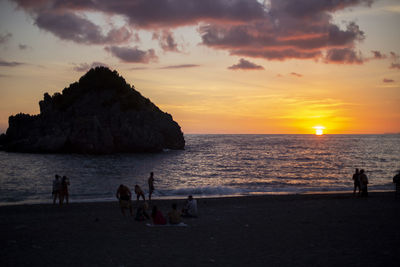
{"x": 294, "y": 230}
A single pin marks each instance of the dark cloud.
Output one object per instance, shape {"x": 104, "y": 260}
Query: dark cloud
{"x": 23, "y": 47}
{"x": 4, "y": 63}
{"x": 245, "y": 65}
{"x": 282, "y": 36}
{"x": 296, "y": 74}
{"x": 152, "y": 14}
{"x": 132, "y": 55}
{"x": 395, "y": 61}
{"x": 344, "y": 56}
{"x": 378, "y": 55}
{"x": 394, "y": 56}
{"x": 388, "y": 80}
{"x": 182, "y": 66}
{"x": 4, "y": 38}
{"x": 69, "y": 26}
{"x": 275, "y": 30}
{"x": 395, "y": 66}
{"x": 166, "y": 41}
{"x": 83, "y": 67}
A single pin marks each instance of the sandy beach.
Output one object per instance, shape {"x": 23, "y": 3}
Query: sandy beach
{"x": 286, "y": 230}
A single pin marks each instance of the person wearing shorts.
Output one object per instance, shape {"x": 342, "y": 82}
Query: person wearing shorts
{"x": 124, "y": 196}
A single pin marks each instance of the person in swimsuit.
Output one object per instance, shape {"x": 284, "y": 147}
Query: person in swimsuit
{"x": 56, "y": 188}
{"x": 64, "y": 190}
{"x": 124, "y": 196}
{"x": 139, "y": 193}
{"x": 364, "y": 183}
{"x": 151, "y": 185}
{"x": 356, "y": 179}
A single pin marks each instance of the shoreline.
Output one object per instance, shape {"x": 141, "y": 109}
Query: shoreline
{"x": 179, "y": 198}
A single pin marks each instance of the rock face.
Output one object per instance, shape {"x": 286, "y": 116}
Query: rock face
{"x": 100, "y": 114}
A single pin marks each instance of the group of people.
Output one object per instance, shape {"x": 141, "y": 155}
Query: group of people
{"x": 60, "y": 189}
{"x": 124, "y": 196}
{"x": 361, "y": 182}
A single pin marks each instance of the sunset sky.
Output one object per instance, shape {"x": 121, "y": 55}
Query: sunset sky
{"x": 218, "y": 66}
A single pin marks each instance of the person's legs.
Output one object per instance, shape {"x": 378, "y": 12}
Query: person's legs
{"x": 123, "y": 211}
{"x": 55, "y": 195}
{"x": 67, "y": 198}
{"x": 131, "y": 210}
{"x": 61, "y": 198}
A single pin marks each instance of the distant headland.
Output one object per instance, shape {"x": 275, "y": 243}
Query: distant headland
{"x": 99, "y": 114}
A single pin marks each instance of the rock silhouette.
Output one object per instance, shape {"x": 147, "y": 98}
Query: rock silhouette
{"x": 100, "y": 114}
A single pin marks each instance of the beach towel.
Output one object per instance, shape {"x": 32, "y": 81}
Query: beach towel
{"x": 164, "y": 225}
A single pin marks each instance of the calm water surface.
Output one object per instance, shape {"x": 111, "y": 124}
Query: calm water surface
{"x": 211, "y": 165}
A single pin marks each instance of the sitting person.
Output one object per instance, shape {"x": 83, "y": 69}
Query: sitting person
{"x": 139, "y": 193}
{"x": 158, "y": 218}
{"x": 124, "y": 196}
{"x": 174, "y": 216}
{"x": 141, "y": 213}
{"x": 190, "y": 208}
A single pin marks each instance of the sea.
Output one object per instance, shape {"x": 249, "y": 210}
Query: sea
{"x": 210, "y": 166}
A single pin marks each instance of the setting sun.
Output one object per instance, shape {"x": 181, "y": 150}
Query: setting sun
{"x": 319, "y": 130}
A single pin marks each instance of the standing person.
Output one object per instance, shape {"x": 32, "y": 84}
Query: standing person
{"x": 56, "y": 188}
{"x": 64, "y": 190}
{"x": 139, "y": 193}
{"x": 356, "y": 179}
{"x": 396, "y": 180}
{"x": 363, "y": 183}
{"x": 190, "y": 208}
{"x": 151, "y": 185}
{"x": 124, "y": 196}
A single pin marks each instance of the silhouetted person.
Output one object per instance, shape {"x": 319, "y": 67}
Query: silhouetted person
{"x": 190, "y": 208}
{"x": 151, "y": 185}
{"x": 174, "y": 216}
{"x": 139, "y": 193}
{"x": 396, "y": 180}
{"x": 56, "y": 188}
{"x": 356, "y": 179}
{"x": 64, "y": 190}
{"x": 363, "y": 183}
{"x": 157, "y": 216}
{"x": 141, "y": 213}
{"x": 124, "y": 196}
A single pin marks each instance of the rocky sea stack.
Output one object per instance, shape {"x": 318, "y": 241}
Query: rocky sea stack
{"x": 100, "y": 114}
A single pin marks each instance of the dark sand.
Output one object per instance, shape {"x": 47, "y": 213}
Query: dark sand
{"x": 295, "y": 230}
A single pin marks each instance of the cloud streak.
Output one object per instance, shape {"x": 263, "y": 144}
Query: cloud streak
{"x": 4, "y": 63}
{"x": 296, "y": 74}
{"x": 4, "y": 38}
{"x": 245, "y": 65}
{"x": 385, "y": 80}
{"x": 132, "y": 54}
{"x": 182, "y": 66}
{"x": 83, "y": 67}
